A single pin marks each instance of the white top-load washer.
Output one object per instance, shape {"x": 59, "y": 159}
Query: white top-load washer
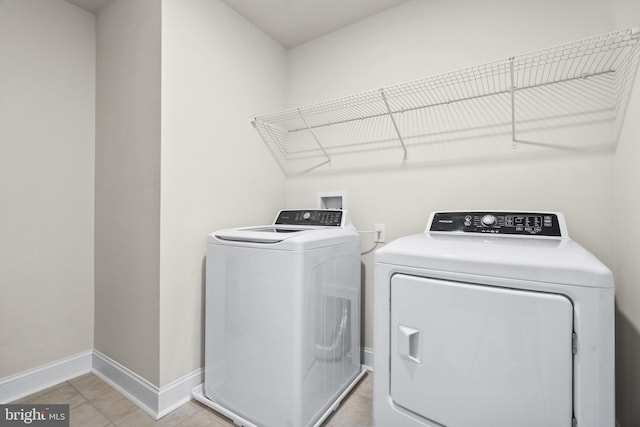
{"x": 492, "y": 319}
{"x": 282, "y": 323}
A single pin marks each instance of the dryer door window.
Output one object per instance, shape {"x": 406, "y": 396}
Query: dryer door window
{"x": 469, "y": 355}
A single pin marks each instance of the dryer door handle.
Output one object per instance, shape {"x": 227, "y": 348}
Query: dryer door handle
{"x": 410, "y": 344}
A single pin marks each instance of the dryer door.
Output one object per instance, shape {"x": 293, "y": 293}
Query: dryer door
{"x": 467, "y": 355}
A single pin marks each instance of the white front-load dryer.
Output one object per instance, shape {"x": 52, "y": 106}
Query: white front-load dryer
{"x": 282, "y": 319}
{"x": 492, "y": 319}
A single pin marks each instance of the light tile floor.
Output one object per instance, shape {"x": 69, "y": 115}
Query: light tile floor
{"x": 93, "y": 403}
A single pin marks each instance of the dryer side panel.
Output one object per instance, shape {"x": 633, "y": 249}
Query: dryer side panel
{"x": 466, "y": 355}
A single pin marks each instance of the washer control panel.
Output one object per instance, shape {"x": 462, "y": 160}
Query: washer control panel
{"x": 518, "y": 223}
{"x": 319, "y": 217}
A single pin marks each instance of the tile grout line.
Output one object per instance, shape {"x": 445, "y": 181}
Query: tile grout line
{"x": 85, "y": 398}
{"x": 90, "y": 401}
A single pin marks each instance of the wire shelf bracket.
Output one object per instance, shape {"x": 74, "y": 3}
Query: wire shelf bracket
{"x": 393, "y": 121}
{"x": 512, "y": 90}
{"x": 315, "y": 137}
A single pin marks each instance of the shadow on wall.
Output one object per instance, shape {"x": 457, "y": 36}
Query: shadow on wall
{"x": 627, "y": 372}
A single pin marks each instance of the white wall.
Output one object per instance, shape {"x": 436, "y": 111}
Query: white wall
{"x": 419, "y": 39}
{"x": 626, "y": 267}
{"x": 626, "y": 189}
{"x": 176, "y": 159}
{"x": 127, "y": 203}
{"x": 47, "y": 66}
{"x": 217, "y": 70}
{"x": 627, "y": 247}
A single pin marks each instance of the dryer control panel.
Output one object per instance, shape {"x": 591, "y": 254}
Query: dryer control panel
{"x": 492, "y": 222}
{"x": 318, "y": 217}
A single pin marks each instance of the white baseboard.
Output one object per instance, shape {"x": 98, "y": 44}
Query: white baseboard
{"x": 33, "y": 380}
{"x": 157, "y": 402}
{"x": 178, "y": 392}
{"x": 135, "y": 388}
{"x": 367, "y": 358}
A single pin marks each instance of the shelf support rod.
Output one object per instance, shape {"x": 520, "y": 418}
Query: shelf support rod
{"x": 513, "y": 105}
{"x": 277, "y": 142}
{"x": 254, "y": 123}
{"x": 395, "y": 125}
{"x": 316, "y": 138}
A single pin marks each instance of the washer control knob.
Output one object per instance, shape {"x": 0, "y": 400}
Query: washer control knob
{"x": 488, "y": 220}
{"x": 306, "y": 215}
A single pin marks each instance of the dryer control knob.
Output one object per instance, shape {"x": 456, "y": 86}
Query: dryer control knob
{"x": 488, "y": 220}
{"x": 306, "y": 215}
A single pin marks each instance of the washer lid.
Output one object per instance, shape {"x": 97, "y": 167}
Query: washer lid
{"x": 561, "y": 261}
{"x": 266, "y": 234}
{"x": 294, "y": 229}
{"x": 284, "y": 237}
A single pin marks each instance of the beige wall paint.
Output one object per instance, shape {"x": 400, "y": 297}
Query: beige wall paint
{"x": 627, "y": 205}
{"x": 627, "y": 189}
{"x": 127, "y": 203}
{"x": 423, "y": 38}
{"x": 217, "y": 70}
{"x": 47, "y": 66}
{"x": 167, "y": 176}
{"x": 419, "y": 39}
{"x": 627, "y": 245}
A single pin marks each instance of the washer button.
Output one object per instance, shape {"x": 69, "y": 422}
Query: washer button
{"x": 488, "y": 220}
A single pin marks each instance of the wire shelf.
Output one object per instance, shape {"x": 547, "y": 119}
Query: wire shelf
{"x": 580, "y": 80}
